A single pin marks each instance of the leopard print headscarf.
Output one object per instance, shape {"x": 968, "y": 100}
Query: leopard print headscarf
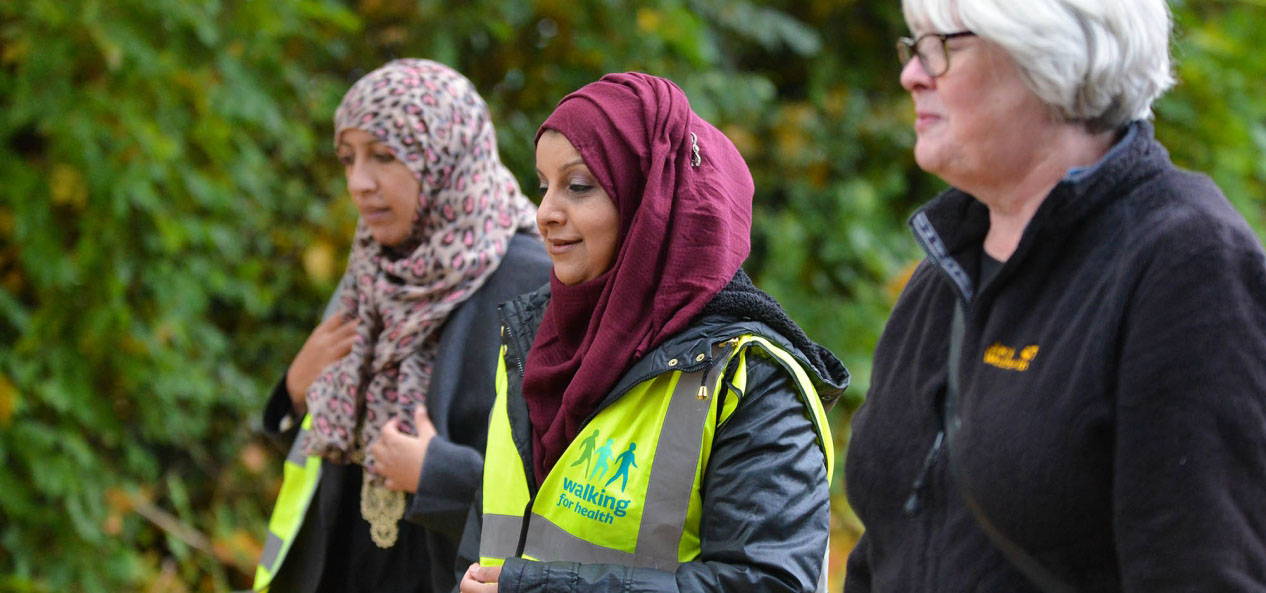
{"x": 469, "y": 207}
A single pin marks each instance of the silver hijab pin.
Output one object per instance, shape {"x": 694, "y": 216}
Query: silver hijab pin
{"x": 695, "y": 160}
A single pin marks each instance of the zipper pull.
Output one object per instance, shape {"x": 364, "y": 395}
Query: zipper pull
{"x": 725, "y": 350}
{"x": 914, "y": 503}
{"x": 703, "y": 379}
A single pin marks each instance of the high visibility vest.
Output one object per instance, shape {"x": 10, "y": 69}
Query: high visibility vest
{"x": 300, "y": 474}
{"x": 627, "y": 489}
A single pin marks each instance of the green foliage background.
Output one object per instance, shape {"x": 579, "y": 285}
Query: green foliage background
{"x": 172, "y": 219}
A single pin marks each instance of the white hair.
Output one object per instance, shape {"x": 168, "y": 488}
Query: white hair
{"x": 1101, "y": 62}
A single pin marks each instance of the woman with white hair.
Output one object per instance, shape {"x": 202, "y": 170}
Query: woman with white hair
{"x": 1070, "y": 394}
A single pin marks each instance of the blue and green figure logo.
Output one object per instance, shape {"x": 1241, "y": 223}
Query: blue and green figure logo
{"x": 625, "y": 460}
{"x": 595, "y": 502}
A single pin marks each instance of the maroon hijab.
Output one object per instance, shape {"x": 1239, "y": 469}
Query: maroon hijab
{"x": 684, "y": 195}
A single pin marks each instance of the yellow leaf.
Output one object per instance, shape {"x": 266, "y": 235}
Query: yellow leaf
{"x": 648, "y": 19}
{"x": 66, "y": 186}
{"x": 164, "y": 333}
{"x": 896, "y": 284}
{"x": 746, "y": 142}
{"x": 6, "y": 222}
{"x": 318, "y": 262}
{"x": 15, "y": 52}
{"x": 8, "y": 400}
{"x": 118, "y": 500}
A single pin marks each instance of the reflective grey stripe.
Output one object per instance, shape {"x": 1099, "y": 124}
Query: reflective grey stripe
{"x": 668, "y": 490}
{"x": 547, "y": 541}
{"x": 673, "y": 471}
{"x": 296, "y": 455}
{"x": 272, "y": 547}
{"x": 499, "y": 536}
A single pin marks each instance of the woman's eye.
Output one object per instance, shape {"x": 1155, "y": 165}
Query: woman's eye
{"x": 540, "y": 191}
{"x": 579, "y": 188}
{"x": 346, "y": 159}
{"x": 384, "y": 157}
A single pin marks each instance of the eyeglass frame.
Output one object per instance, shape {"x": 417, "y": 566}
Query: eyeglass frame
{"x": 908, "y": 49}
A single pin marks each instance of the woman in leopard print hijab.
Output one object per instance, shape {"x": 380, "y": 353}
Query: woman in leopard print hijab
{"x": 468, "y": 207}
{"x": 438, "y": 211}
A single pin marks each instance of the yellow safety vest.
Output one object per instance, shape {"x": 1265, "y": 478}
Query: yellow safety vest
{"x": 300, "y": 474}
{"x": 627, "y": 489}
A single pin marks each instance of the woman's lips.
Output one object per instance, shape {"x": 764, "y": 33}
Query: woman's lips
{"x": 559, "y": 246}
{"x": 923, "y": 120}
{"x": 376, "y": 215}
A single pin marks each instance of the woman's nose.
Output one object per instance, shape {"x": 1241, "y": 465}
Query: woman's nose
{"x": 360, "y": 179}
{"x": 549, "y": 212}
{"x": 913, "y": 76}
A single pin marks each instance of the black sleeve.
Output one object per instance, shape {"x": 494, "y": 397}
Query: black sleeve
{"x": 766, "y": 513}
{"x": 463, "y": 388}
{"x": 857, "y": 573}
{"x": 446, "y": 486}
{"x": 468, "y": 551}
{"x": 1189, "y": 491}
{"x": 459, "y": 399}
{"x": 278, "y": 408}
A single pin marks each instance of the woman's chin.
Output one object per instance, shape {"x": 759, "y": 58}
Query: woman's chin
{"x": 388, "y": 237}
{"x": 930, "y": 156}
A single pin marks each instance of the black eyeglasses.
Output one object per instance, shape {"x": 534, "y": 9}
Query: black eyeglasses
{"x": 931, "y": 50}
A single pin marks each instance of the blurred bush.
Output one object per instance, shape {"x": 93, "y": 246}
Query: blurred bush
{"x": 172, "y": 219}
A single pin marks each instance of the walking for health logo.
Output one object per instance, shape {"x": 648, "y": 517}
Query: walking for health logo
{"x": 588, "y": 496}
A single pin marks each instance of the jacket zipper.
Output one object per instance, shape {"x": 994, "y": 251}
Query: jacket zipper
{"x": 918, "y": 490}
{"x": 508, "y": 334}
{"x": 523, "y": 531}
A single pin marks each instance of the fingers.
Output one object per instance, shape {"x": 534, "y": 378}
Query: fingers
{"x": 333, "y": 321}
{"x": 390, "y": 428}
{"x": 467, "y": 577}
{"x": 472, "y": 583}
{"x": 335, "y": 325}
{"x": 485, "y": 574}
{"x": 339, "y": 340}
{"x": 468, "y": 583}
{"x": 378, "y": 451}
{"x": 344, "y": 330}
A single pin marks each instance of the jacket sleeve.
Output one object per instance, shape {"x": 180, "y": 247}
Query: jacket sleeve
{"x": 462, "y": 391}
{"x": 276, "y": 412}
{"x": 765, "y": 519}
{"x": 468, "y": 550}
{"x": 1190, "y": 446}
{"x": 857, "y": 573}
{"x": 460, "y": 396}
{"x": 280, "y": 424}
{"x": 446, "y": 486}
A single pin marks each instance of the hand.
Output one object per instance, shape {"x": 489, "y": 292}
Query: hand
{"x": 329, "y": 342}
{"x": 397, "y": 456}
{"x": 480, "y": 579}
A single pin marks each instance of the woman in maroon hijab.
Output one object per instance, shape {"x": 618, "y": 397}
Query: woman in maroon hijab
{"x": 659, "y": 423}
